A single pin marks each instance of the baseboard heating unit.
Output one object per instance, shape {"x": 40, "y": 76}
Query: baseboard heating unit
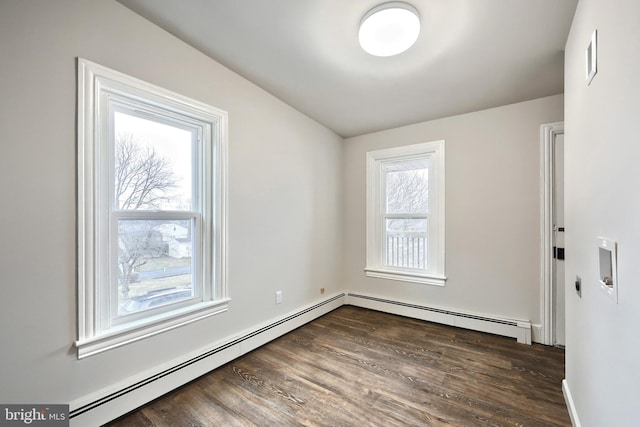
{"x": 519, "y": 329}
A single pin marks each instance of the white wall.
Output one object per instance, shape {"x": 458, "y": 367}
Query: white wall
{"x": 492, "y": 210}
{"x": 284, "y": 203}
{"x": 602, "y": 177}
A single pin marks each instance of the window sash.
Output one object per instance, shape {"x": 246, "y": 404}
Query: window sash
{"x": 405, "y": 215}
{"x": 200, "y": 275}
{"x": 200, "y": 175}
{"x": 116, "y": 103}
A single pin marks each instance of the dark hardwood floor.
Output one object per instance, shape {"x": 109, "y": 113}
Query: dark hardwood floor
{"x": 357, "y": 367}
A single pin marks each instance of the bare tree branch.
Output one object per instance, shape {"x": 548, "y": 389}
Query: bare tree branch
{"x": 407, "y": 191}
{"x": 142, "y": 176}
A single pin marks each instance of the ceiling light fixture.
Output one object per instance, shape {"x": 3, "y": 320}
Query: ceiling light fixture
{"x": 389, "y": 29}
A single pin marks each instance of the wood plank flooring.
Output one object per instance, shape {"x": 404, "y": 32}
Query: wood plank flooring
{"x": 358, "y": 367}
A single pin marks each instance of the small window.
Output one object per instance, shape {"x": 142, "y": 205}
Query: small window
{"x": 151, "y": 209}
{"x": 405, "y": 213}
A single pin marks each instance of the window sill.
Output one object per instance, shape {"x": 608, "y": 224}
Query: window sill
{"x": 406, "y": 276}
{"x": 135, "y": 331}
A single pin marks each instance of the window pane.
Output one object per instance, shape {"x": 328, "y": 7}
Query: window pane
{"x": 406, "y": 243}
{"x": 154, "y": 263}
{"x": 153, "y": 165}
{"x": 407, "y": 187}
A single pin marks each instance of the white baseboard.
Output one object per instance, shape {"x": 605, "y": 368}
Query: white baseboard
{"x": 115, "y": 401}
{"x": 571, "y": 407}
{"x": 515, "y": 328}
{"x": 536, "y": 333}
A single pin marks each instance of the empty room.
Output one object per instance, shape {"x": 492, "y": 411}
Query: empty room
{"x": 319, "y": 212}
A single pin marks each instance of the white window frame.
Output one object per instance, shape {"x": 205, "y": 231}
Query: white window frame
{"x": 377, "y": 161}
{"x": 101, "y": 92}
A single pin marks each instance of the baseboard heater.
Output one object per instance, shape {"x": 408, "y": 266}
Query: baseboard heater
{"x": 105, "y": 406}
{"x": 519, "y": 329}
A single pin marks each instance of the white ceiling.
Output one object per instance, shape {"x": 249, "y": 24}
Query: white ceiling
{"x": 471, "y": 54}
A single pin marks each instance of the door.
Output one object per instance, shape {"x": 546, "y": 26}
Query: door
{"x": 558, "y": 241}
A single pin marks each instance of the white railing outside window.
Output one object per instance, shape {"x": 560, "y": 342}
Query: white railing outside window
{"x": 407, "y": 250}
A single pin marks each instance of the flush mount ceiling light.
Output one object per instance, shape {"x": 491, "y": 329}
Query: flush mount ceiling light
{"x": 389, "y": 29}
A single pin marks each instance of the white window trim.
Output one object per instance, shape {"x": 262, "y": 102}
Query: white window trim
{"x": 92, "y": 80}
{"x": 375, "y": 266}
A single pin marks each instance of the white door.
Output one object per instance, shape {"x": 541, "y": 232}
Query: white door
{"x": 558, "y": 236}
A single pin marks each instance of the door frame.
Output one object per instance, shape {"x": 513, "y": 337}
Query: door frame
{"x": 548, "y": 133}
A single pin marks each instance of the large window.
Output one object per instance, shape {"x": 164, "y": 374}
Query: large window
{"x": 405, "y": 213}
{"x": 151, "y": 194}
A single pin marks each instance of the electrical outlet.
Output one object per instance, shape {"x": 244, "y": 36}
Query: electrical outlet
{"x": 321, "y": 290}
{"x": 278, "y": 297}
